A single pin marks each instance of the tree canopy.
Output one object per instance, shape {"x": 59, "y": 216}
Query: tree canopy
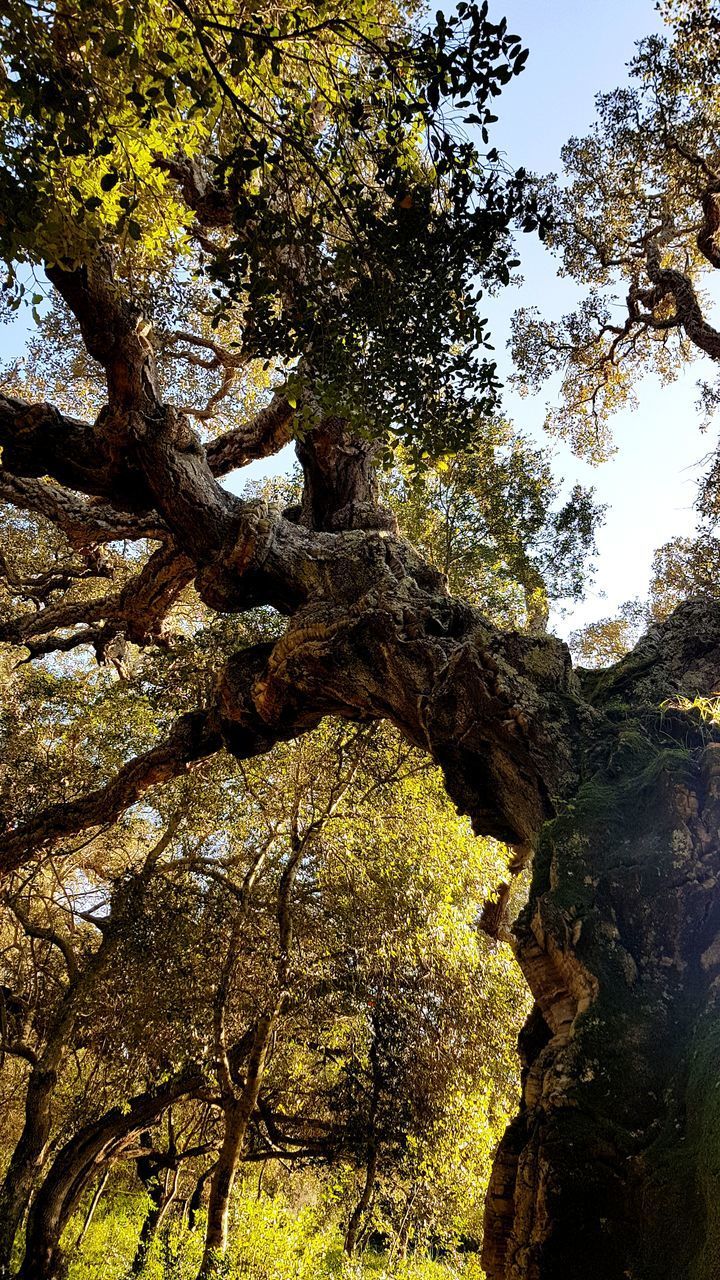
{"x": 276, "y": 761}
{"x": 348, "y": 223}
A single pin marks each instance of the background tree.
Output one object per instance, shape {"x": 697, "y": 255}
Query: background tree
{"x": 305, "y": 175}
{"x": 636, "y": 225}
{"x": 153, "y": 993}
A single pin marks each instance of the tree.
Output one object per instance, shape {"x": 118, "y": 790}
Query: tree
{"x": 303, "y": 167}
{"x": 263, "y": 1056}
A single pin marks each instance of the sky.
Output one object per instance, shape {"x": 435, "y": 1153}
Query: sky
{"x": 578, "y": 48}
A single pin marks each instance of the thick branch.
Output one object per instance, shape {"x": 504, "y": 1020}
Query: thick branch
{"x": 137, "y": 611}
{"x": 64, "y": 614}
{"x": 146, "y": 599}
{"x": 114, "y": 334}
{"x": 38, "y": 440}
{"x": 493, "y": 709}
{"x": 667, "y": 280}
{"x": 261, "y": 437}
{"x": 708, "y": 238}
{"x": 212, "y": 207}
{"x": 340, "y": 490}
{"x": 85, "y": 524}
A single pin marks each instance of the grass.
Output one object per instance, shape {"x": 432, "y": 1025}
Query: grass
{"x": 271, "y": 1240}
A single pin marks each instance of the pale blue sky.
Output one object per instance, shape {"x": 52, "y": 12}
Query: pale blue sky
{"x": 576, "y": 50}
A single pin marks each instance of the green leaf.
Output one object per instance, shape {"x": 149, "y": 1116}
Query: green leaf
{"x": 114, "y": 45}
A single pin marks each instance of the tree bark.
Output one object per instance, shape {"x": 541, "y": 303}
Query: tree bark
{"x": 96, "y": 1198}
{"x": 30, "y": 1153}
{"x": 358, "y": 1213}
{"x": 610, "y": 1170}
{"x": 196, "y": 1199}
{"x": 27, "y": 1159}
{"x": 162, "y": 1192}
{"x": 79, "y": 1160}
{"x": 604, "y": 1172}
{"x": 340, "y": 489}
{"x": 221, "y": 1186}
{"x": 237, "y": 1111}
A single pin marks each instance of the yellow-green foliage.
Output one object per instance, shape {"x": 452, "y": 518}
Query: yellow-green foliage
{"x": 271, "y": 1240}
{"x": 708, "y": 708}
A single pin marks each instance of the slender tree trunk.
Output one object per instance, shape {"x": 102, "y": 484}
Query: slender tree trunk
{"x": 358, "y": 1213}
{"x": 154, "y": 1219}
{"x": 27, "y": 1159}
{"x": 611, "y": 1170}
{"x": 239, "y": 1100}
{"x": 161, "y": 1191}
{"x": 403, "y": 1236}
{"x": 97, "y": 1195}
{"x": 196, "y": 1199}
{"x": 237, "y": 1112}
{"x": 223, "y": 1181}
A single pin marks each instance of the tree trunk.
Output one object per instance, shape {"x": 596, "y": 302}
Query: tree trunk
{"x": 340, "y": 487}
{"x": 78, "y": 1162}
{"x": 358, "y": 1213}
{"x": 27, "y": 1159}
{"x": 161, "y": 1187}
{"x": 223, "y": 1180}
{"x": 30, "y": 1152}
{"x": 611, "y": 1171}
{"x": 237, "y": 1112}
{"x": 196, "y": 1199}
{"x": 97, "y": 1195}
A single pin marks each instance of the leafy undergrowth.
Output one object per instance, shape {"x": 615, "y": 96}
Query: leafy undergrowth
{"x": 270, "y": 1241}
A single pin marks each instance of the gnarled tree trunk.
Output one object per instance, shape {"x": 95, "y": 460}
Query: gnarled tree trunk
{"x": 611, "y": 1170}
{"x": 604, "y": 1173}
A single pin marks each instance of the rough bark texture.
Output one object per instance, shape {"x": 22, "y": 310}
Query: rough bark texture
{"x": 340, "y": 488}
{"x": 604, "y": 1173}
{"x": 610, "y": 1169}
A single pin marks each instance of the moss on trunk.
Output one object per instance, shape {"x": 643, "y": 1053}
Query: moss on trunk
{"x": 611, "y": 1169}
